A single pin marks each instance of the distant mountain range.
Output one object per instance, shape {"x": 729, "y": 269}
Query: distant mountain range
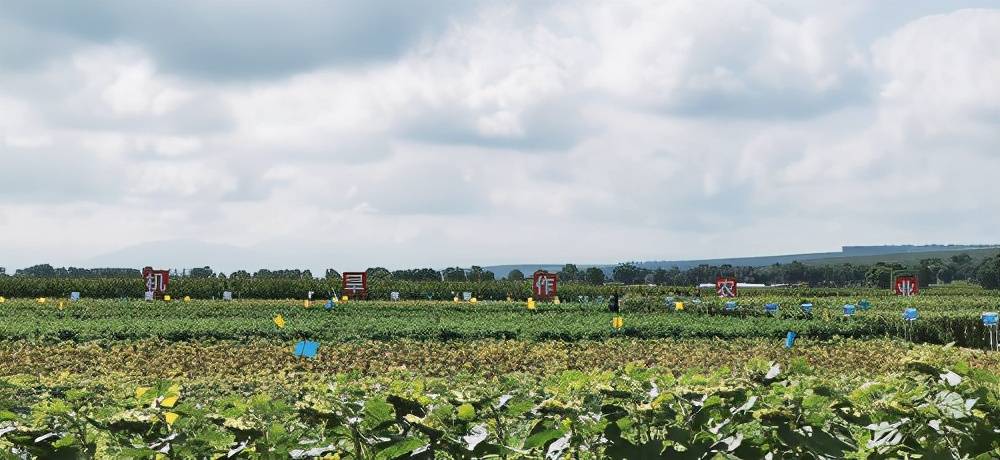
{"x": 848, "y": 254}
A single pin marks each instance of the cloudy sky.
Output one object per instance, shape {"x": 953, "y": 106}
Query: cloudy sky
{"x": 355, "y": 134}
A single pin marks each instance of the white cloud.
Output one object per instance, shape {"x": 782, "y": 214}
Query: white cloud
{"x": 516, "y": 133}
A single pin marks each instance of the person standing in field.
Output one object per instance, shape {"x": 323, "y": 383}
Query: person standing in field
{"x": 613, "y": 303}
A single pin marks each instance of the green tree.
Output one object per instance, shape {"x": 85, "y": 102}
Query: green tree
{"x": 203, "y": 272}
{"x": 454, "y": 274}
{"x": 880, "y": 274}
{"x": 378, "y": 274}
{"x": 628, "y": 273}
{"x": 332, "y": 274}
{"x": 988, "y": 273}
{"x": 515, "y": 275}
{"x": 594, "y": 276}
{"x": 569, "y": 272}
{"x": 477, "y": 273}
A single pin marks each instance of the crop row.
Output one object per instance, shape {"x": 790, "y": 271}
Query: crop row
{"x": 278, "y": 288}
{"x": 258, "y": 361}
{"x": 774, "y": 412}
{"x": 199, "y": 320}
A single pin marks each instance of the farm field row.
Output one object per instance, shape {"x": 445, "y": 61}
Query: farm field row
{"x": 260, "y": 360}
{"x": 941, "y": 320}
{"x": 278, "y": 288}
{"x": 789, "y": 412}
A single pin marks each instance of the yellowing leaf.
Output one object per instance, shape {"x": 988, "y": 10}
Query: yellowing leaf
{"x": 170, "y": 417}
{"x": 169, "y": 401}
{"x": 141, "y": 391}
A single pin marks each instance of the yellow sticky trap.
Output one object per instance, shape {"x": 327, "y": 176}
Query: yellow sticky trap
{"x": 61, "y": 305}
{"x": 531, "y": 303}
{"x": 678, "y": 306}
{"x": 187, "y": 298}
{"x": 279, "y": 321}
{"x": 617, "y": 322}
{"x": 2, "y": 299}
{"x": 169, "y": 401}
{"x": 556, "y": 300}
{"x": 455, "y": 299}
{"x": 472, "y": 300}
{"x": 343, "y": 299}
{"x": 166, "y": 298}
{"x": 141, "y": 391}
{"x": 305, "y": 303}
{"x": 170, "y": 417}
{"x": 41, "y": 300}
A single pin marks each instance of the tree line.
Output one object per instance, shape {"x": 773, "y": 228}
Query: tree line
{"x": 961, "y": 267}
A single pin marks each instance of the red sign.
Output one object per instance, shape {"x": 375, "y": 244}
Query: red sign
{"x": 907, "y": 285}
{"x": 725, "y": 287}
{"x": 356, "y": 284}
{"x": 156, "y": 281}
{"x": 545, "y": 285}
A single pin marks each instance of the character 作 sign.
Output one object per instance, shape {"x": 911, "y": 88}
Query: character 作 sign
{"x": 356, "y": 285}
{"x": 907, "y": 285}
{"x": 545, "y": 285}
{"x": 725, "y": 287}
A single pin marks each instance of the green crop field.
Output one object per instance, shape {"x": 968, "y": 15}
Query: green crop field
{"x": 121, "y": 378}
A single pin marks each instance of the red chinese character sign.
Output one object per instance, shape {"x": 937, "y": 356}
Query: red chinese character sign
{"x": 356, "y": 285}
{"x": 907, "y": 285}
{"x": 156, "y": 282}
{"x": 545, "y": 285}
{"x": 725, "y": 287}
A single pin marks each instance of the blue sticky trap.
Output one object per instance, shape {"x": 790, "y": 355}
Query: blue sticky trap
{"x": 306, "y": 349}
{"x": 864, "y": 304}
{"x": 328, "y": 305}
{"x": 730, "y": 305}
{"x": 910, "y": 314}
{"x": 807, "y": 307}
{"x": 789, "y": 339}
{"x": 771, "y": 308}
{"x": 990, "y": 318}
{"x": 849, "y": 310}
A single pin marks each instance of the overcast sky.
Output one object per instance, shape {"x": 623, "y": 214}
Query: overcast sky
{"x": 356, "y": 134}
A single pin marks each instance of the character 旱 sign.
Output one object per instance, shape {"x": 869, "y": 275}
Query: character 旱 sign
{"x": 907, "y": 285}
{"x": 356, "y": 284}
{"x": 544, "y": 285}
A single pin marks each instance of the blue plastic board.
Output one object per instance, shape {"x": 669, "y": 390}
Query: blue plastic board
{"x": 807, "y": 307}
{"x": 910, "y": 314}
{"x": 849, "y": 310}
{"x": 990, "y": 318}
{"x": 771, "y": 308}
{"x": 789, "y": 339}
{"x": 730, "y": 305}
{"x": 306, "y": 349}
{"x": 328, "y": 305}
{"x": 864, "y": 304}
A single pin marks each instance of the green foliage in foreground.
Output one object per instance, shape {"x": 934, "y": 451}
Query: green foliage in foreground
{"x": 942, "y": 320}
{"x": 636, "y": 413}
